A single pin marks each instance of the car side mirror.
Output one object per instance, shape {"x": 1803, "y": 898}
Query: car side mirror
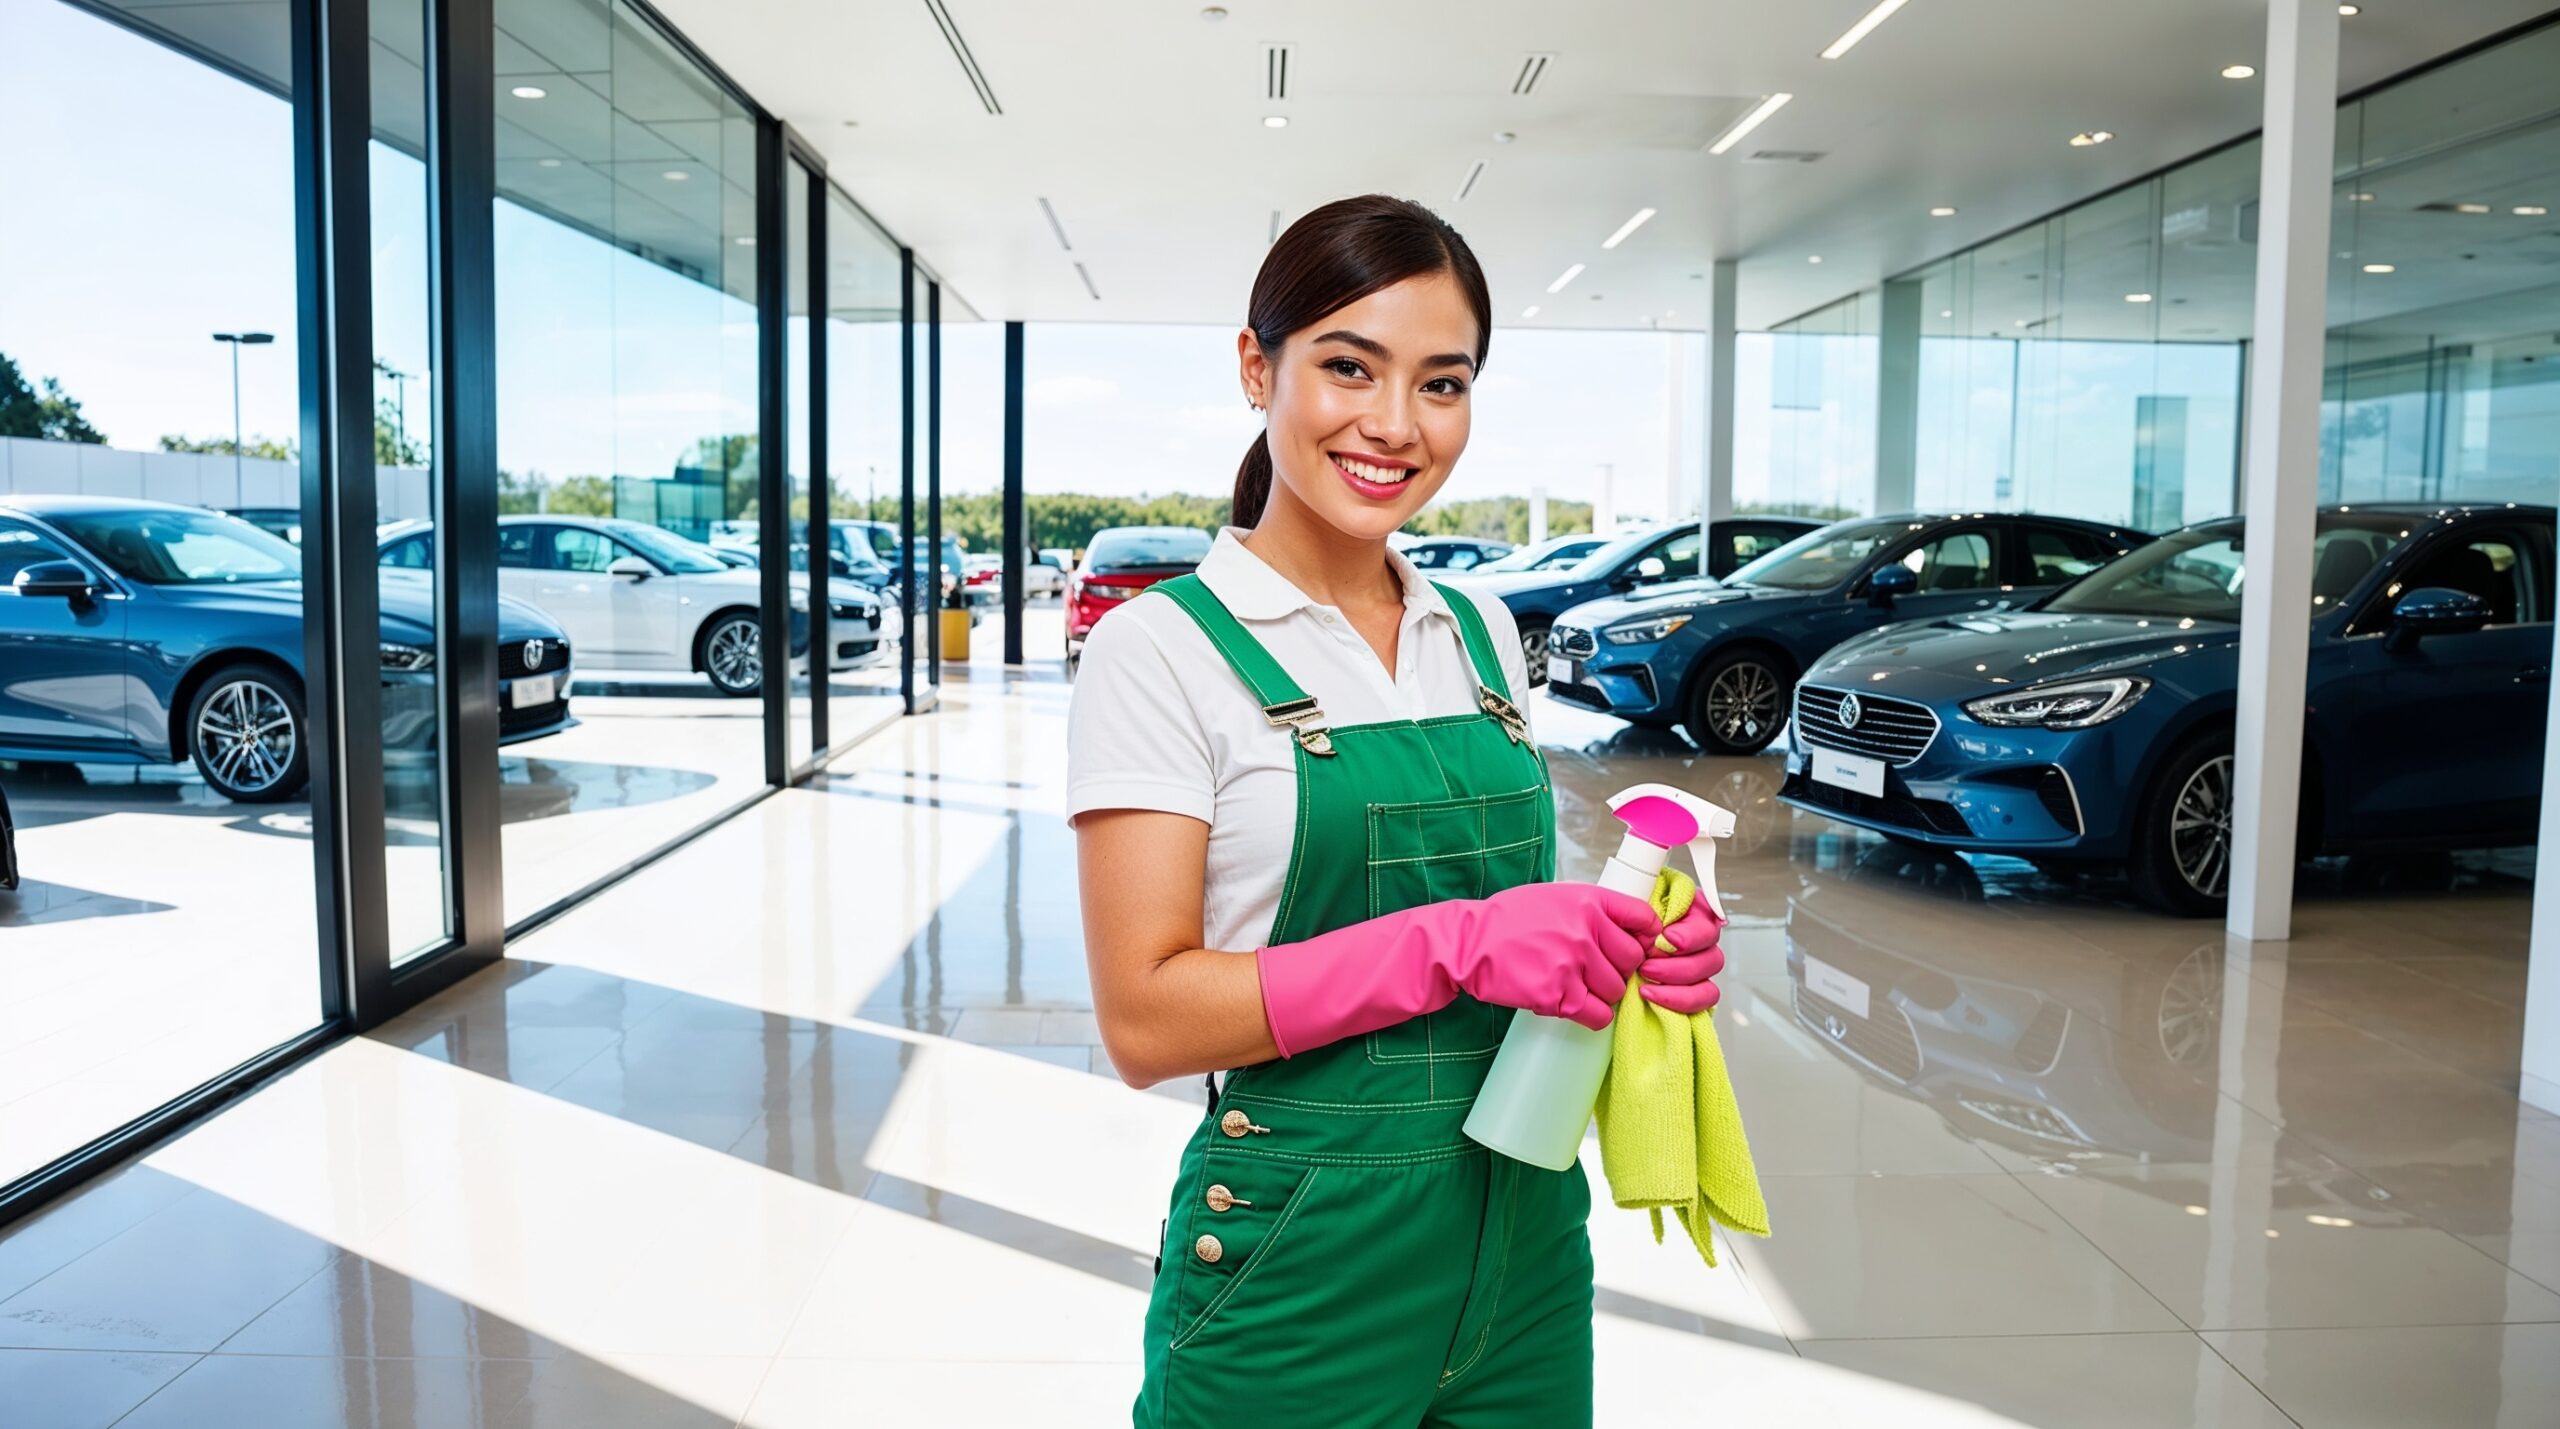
{"x": 636, "y": 567}
{"x": 62, "y": 579}
{"x": 1650, "y": 568}
{"x": 1890, "y": 581}
{"x": 2430, "y": 610}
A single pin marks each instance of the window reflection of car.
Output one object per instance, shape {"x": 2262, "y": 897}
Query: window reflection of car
{"x": 140, "y": 632}
{"x": 1719, "y": 659}
{"x": 638, "y": 597}
{"x": 1448, "y": 555}
{"x": 1628, "y": 563}
{"x": 2096, "y": 727}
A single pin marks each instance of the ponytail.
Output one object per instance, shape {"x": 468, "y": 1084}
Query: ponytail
{"x": 1253, "y": 483}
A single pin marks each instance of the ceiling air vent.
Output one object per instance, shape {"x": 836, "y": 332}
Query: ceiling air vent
{"x": 1467, "y": 185}
{"x": 1056, "y": 227}
{"x": 1275, "y": 70}
{"x": 1533, "y": 67}
{"x": 960, "y": 52}
{"x": 1784, "y": 156}
{"x": 1090, "y": 289}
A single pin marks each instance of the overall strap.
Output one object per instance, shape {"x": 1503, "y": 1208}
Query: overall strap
{"x": 1479, "y": 640}
{"x": 1282, "y": 701}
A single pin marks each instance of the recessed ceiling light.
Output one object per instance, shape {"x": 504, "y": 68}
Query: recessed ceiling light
{"x": 2238, "y": 71}
{"x": 548, "y": 163}
{"x": 1213, "y": 13}
{"x": 745, "y": 240}
{"x": 1567, "y": 276}
{"x": 1759, "y": 115}
{"x": 1944, "y": 210}
{"x": 1275, "y": 121}
{"x": 2351, "y": 9}
{"x": 2471, "y": 208}
{"x": 1946, "y": 312}
{"x": 1882, "y": 12}
{"x": 675, "y": 176}
{"x": 2088, "y": 137}
{"x": 2530, "y": 210}
{"x": 1530, "y": 311}
{"x": 1503, "y": 136}
{"x": 528, "y": 91}
{"x": 2137, "y": 297}
{"x": 2359, "y": 198}
{"x": 2022, "y": 322}
{"x": 2382, "y": 267}
{"x": 1630, "y": 226}
{"x": 1813, "y": 258}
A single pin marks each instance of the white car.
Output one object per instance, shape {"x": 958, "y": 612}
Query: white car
{"x": 636, "y": 597}
{"x": 1047, "y": 572}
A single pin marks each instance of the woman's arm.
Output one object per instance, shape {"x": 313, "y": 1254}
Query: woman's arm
{"x": 1168, "y": 1007}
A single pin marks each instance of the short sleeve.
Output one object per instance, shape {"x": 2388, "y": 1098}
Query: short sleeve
{"x": 1133, "y": 739}
{"x": 1505, "y": 634}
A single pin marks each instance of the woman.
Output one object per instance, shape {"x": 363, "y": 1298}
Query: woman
{"x": 1314, "y": 837}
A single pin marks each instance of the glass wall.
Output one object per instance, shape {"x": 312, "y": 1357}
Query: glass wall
{"x": 627, "y": 446}
{"x": 864, "y": 394}
{"x": 2093, "y": 364}
{"x": 155, "y": 736}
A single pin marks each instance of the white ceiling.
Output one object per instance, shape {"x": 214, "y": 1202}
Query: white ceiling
{"x": 1142, "y": 124}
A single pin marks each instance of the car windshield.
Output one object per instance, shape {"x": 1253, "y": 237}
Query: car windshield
{"x": 1149, "y": 546}
{"x": 1599, "y": 562}
{"x": 2195, "y": 574}
{"x": 678, "y": 555}
{"x": 1546, "y": 555}
{"x": 184, "y": 547}
{"x": 1819, "y": 560}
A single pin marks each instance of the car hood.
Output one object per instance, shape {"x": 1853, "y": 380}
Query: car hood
{"x": 1690, "y": 596}
{"x": 2024, "y": 647}
{"x": 409, "y": 612}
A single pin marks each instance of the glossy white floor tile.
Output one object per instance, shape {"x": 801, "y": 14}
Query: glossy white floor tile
{"x": 809, "y": 1124}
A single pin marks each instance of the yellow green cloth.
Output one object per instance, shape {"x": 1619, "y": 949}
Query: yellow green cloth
{"x": 1670, "y": 1130}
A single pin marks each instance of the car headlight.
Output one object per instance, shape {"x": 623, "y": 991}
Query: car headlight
{"x": 396, "y": 656}
{"x": 800, "y": 600}
{"x": 2076, "y": 704}
{"x": 1644, "y": 632}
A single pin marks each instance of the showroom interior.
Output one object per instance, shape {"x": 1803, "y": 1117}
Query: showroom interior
{"x": 596, "y": 1019}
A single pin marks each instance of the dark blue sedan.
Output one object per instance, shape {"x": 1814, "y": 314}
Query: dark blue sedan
{"x": 2098, "y": 725}
{"x": 1719, "y": 659}
{"x": 1631, "y": 562}
{"x": 140, "y": 632}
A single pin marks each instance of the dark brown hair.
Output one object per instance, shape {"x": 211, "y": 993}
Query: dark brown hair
{"x": 1333, "y": 257}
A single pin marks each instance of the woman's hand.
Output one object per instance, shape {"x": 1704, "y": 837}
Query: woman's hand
{"x": 1683, "y": 979}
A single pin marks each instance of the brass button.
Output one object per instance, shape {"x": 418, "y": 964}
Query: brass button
{"x": 1220, "y": 1198}
{"x": 1208, "y": 1249}
{"x": 1236, "y": 1123}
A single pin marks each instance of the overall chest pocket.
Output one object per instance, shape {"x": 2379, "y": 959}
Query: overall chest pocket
{"x": 1438, "y": 849}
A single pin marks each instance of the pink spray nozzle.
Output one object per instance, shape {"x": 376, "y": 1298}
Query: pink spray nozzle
{"x": 1662, "y": 822}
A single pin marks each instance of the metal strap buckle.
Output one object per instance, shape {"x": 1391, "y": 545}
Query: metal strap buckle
{"x": 1514, "y": 723}
{"x": 1303, "y": 721}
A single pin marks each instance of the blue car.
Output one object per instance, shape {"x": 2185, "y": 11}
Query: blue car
{"x": 2097, "y": 726}
{"x": 1720, "y": 658}
{"x": 140, "y": 632}
{"x": 1644, "y": 558}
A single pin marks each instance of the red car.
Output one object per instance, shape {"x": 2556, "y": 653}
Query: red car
{"x": 1120, "y": 563}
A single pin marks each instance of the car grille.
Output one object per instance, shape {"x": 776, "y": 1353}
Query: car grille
{"x": 1885, "y": 1043}
{"x": 1895, "y": 731}
{"x": 511, "y": 661}
{"x": 1935, "y": 816}
{"x": 853, "y": 614}
{"x": 2053, "y": 790}
{"x": 1572, "y": 642}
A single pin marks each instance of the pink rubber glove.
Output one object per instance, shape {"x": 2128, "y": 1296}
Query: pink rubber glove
{"x": 1561, "y": 949}
{"x": 1683, "y": 979}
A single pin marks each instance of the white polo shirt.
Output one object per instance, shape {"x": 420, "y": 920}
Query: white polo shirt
{"x": 1161, "y": 721}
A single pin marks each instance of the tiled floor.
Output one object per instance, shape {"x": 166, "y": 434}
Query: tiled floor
{"x": 809, "y": 1126}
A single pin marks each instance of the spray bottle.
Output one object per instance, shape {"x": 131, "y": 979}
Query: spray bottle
{"x": 1538, "y": 1095}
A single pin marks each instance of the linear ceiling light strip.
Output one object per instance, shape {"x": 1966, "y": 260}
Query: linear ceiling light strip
{"x": 1055, "y": 226}
{"x": 960, "y": 51}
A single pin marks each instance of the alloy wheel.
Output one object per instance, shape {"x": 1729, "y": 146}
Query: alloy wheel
{"x": 2200, "y": 828}
{"x": 1533, "y": 650}
{"x": 247, "y": 733}
{"x": 736, "y": 655}
{"x": 1743, "y": 702}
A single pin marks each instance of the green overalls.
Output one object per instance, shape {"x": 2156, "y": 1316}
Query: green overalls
{"x": 1339, "y": 1253}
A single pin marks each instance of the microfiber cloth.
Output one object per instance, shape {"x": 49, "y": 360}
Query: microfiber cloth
{"x": 1670, "y": 1130}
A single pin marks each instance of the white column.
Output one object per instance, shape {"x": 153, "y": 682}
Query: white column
{"x": 1716, "y": 502}
{"x": 2283, "y": 457}
{"x": 2541, "y": 1082}
{"x": 1898, "y": 398}
{"x": 1675, "y": 426}
{"x": 1537, "y": 514}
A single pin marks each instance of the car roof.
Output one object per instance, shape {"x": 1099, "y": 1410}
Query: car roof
{"x": 73, "y": 505}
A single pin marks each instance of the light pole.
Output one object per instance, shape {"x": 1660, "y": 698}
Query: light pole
{"x": 400, "y": 383}
{"x": 239, "y": 485}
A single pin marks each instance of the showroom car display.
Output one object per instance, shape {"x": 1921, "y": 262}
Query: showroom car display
{"x": 1718, "y": 659}
{"x": 1449, "y": 555}
{"x": 141, "y": 632}
{"x": 1649, "y": 557}
{"x": 1120, "y": 562}
{"x": 2097, "y": 725}
{"x": 638, "y": 597}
